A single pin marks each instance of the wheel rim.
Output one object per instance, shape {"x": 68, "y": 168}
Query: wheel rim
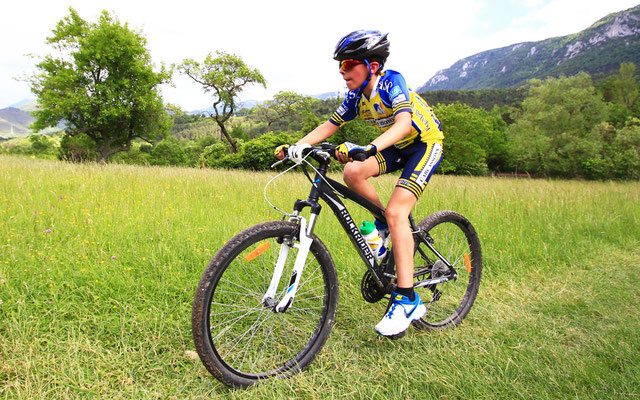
{"x": 247, "y": 335}
{"x": 447, "y": 303}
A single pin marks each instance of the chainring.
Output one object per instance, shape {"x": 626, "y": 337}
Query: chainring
{"x": 370, "y": 290}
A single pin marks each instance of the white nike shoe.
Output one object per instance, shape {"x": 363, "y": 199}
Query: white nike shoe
{"x": 399, "y": 316}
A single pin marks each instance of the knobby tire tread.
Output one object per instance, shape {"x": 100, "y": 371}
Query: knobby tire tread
{"x": 471, "y": 292}
{"x": 216, "y": 267}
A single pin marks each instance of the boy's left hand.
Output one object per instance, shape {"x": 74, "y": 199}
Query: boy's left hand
{"x": 348, "y": 151}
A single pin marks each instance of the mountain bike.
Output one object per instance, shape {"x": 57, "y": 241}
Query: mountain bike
{"x": 266, "y": 303}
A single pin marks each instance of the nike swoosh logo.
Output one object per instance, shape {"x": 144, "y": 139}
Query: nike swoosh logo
{"x": 409, "y": 314}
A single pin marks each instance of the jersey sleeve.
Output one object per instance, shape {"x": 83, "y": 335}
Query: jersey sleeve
{"x": 398, "y": 93}
{"x": 347, "y": 111}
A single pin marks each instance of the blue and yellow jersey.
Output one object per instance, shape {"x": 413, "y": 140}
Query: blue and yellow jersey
{"x": 389, "y": 97}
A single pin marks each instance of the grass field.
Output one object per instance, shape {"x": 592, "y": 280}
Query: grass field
{"x": 99, "y": 264}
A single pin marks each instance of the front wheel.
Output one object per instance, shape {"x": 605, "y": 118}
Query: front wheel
{"x": 239, "y": 336}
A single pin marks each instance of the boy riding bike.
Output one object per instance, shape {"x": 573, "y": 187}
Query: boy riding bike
{"x": 411, "y": 140}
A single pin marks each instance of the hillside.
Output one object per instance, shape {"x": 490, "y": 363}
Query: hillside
{"x": 15, "y": 122}
{"x": 598, "y": 50}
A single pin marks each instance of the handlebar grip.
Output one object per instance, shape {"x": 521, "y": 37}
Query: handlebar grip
{"x": 359, "y": 157}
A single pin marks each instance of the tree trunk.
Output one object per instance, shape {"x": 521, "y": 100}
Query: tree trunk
{"x": 104, "y": 151}
{"x": 233, "y": 143}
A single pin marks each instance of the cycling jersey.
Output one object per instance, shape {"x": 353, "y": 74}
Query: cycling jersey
{"x": 389, "y": 97}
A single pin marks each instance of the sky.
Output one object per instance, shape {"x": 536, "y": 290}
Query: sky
{"x": 291, "y": 43}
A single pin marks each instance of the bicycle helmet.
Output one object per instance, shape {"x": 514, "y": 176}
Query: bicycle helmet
{"x": 362, "y": 45}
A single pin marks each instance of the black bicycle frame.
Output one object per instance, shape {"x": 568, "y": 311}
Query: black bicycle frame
{"x": 330, "y": 192}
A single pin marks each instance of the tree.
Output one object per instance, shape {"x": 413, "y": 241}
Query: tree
{"x": 625, "y": 86}
{"x": 283, "y": 105}
{"x": 356, "y": 131}
{"x": 622, "y": 92}
{"x": 40, "y": 144}
{"x": 469, "y": 133}
{"x": 552, "y": 134}
{"x": 224, "y": 76}
{"x": 100, "y": 84}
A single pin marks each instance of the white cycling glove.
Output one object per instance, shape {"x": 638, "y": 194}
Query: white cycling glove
{"x": 295, "y": 152}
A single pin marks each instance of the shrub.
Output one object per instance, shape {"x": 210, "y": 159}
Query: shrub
{"x": 78, "y": 148}
{"x": 258, "y": 153}
{"x": 137, "y": 155}
{"x": 168, "y": 152}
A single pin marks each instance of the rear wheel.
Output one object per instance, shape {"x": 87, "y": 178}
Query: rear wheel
{"x": 239, "y": 337}
{"x": 453, "y": 236}
{"x": 456, "y": 239}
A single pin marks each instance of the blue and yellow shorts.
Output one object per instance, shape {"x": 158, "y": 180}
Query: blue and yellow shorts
{"x": 419, "y": 160}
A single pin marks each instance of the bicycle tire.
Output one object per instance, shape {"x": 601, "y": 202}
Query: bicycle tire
{"x": 456, "y": 239}
{"x": 242, "y": 341}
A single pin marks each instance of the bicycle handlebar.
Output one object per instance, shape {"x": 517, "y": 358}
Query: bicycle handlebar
{"x": 325, "y": 149}
{"x": 331, "y": 147}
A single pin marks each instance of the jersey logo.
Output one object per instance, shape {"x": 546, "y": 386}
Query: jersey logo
{"x": 394, "y": 92}
{"x": 378, "y": 108}
{"x": 385, "y": 122}
{"x": 399, "y": 99}
{"x": 385, "y": 85}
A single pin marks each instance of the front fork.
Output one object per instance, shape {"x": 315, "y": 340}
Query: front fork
{"x": 303, "y": 246}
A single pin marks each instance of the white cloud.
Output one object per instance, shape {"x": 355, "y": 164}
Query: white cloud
{"x": 292, "y": 42}
{"x": 559, "y": 18}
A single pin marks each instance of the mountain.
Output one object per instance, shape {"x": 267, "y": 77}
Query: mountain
{"x": 598, "y": 50}
{"x": 25, "y": 105}
{"x": 252, "y": 103}
{"x": 328, "y": 95}
{"x": 15, "y": 122}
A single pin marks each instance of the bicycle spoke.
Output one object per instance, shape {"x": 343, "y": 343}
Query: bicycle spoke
{"x": 237, "y": 338}
{"x": 247, "y": 346}
{"x": 233, "y": 322}
{"x": 295, "y": 328}
{"x": 256, "y": 294}
{"x": 249, "y": 339}
{"x": 447, "y": 302}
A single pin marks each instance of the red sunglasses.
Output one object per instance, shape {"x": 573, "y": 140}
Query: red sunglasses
{"x": 349, "y": 64}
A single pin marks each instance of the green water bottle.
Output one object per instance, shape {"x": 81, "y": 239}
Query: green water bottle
{"x": 370, "y": 234}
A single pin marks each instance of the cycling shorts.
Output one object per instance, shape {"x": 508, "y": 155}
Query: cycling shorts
{"x": 419, "y": 160}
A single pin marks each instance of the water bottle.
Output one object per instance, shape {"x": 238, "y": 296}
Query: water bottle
{"x": 383, "y": 232}
{"x": 370, "y": 234}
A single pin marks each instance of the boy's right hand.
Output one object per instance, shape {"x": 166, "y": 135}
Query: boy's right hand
{"x": 295, "y": 152}
{"x": 281, "y": 151}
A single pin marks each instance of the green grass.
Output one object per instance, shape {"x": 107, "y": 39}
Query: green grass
{"x": 99, "y": 264}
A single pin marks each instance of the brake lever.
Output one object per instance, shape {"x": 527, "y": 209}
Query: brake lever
{"x": 286, "y": 158}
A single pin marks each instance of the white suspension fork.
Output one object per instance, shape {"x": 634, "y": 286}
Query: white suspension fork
{"x": 303, "y": 251}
